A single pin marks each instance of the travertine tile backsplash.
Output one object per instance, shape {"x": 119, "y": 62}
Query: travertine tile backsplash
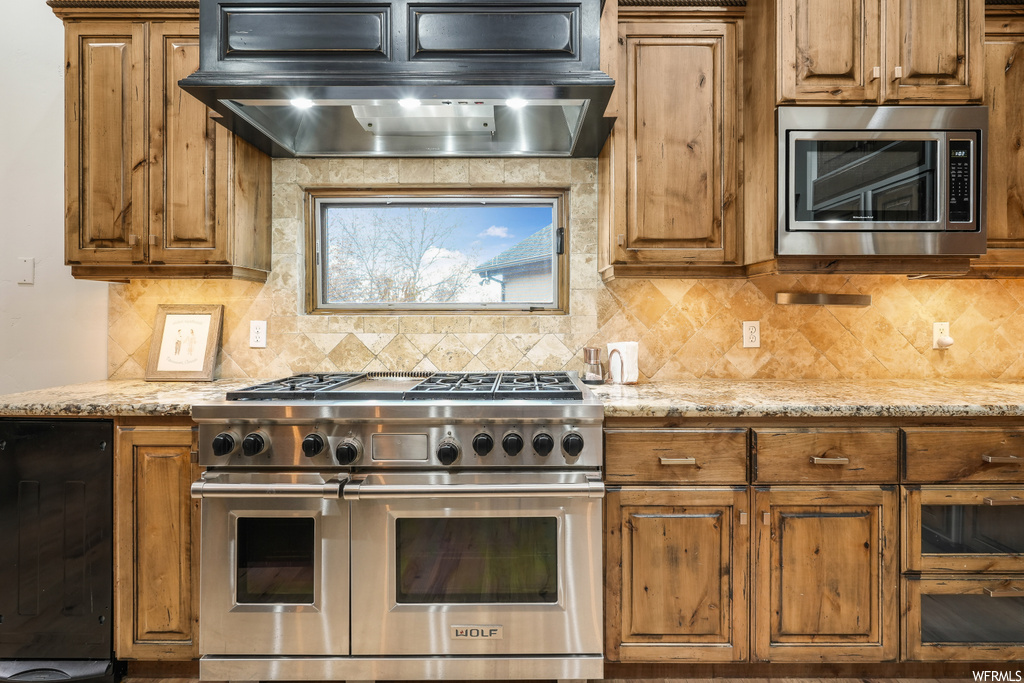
{"x": 686, "y": 328}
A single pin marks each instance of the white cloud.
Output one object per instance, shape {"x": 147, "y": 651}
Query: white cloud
{"x": 495, "y": 231}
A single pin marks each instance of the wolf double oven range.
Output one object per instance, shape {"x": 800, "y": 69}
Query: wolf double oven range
{"x": 364, "y": 526}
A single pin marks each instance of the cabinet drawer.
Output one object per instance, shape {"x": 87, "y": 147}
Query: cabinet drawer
{"x": 973, "y": 618}
{"x": 963, "y": 528}
{"x": 825, "y": 455}
{"x": 976, "y": 455}
{"x": 704, "y": 456}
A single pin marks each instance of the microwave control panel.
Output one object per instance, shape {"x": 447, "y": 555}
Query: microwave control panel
{"x": 960, "y": 181}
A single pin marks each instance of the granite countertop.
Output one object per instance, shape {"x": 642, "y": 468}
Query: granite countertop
{"x": 697, "y": 398}
{"x": 814, "y": 398}
{"x": 119, "y": 398}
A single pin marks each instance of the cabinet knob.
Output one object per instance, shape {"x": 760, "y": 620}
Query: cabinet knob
{"x": 897, "y": 73}
{"x": 876, "y": 73}
{"x": 766, "y": 518}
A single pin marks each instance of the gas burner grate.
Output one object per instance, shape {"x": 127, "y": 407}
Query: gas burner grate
{"x": 303, "y": 387}
{"x": 496, "y": 386}
{"x": 537, "y": 385}
{"x": 455, "y": 385}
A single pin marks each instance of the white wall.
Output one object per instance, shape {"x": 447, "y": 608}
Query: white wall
{"x": 54, "y": 331}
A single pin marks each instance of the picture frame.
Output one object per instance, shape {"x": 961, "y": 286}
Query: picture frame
{"x": 186, "y": 338}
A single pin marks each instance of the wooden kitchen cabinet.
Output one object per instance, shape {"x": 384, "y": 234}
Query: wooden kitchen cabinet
{"x": 1004, "y": 97}
{"x": 825, "y": 583}
{"x": 670, "y": 172}
{"x": 156, "y": 541}
{"x": 154, "y": 188}
{"x": 873, "y": 51}
{"x": 677, "y": 562}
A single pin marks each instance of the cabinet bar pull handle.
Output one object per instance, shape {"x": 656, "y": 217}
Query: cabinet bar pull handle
{"x": 1004, "y": 592}
{"x": 743, "y": 519}
{"x": 1002, "y": 459}
{"x": 839, "y": 460}
{"x": 766, "y": 519}
{"x": 1012, "y": 500}
{"x": 678, "y": 461}
{"x": 897, "y": 73}
{"x": 876, "y": 73}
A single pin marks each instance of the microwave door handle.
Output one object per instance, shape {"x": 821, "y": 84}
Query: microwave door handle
{"x": 592, "y": 488}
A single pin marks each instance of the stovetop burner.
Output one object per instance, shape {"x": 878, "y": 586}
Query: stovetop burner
{"x": 355, "y": 386}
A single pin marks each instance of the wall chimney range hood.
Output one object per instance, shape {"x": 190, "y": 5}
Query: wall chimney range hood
{"x": 461, "y": 78}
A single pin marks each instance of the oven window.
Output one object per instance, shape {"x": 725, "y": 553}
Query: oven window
{"x": 477, "y": 560}
{"x": 879, "y": 181}
{"x": 275, "y": 560}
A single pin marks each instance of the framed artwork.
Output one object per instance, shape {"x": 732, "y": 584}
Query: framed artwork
{"x": 185, "y": 342}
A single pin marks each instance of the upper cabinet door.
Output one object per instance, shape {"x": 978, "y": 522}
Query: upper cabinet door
{"x": 105, "y": 155}
{"x": 681, "y": 159}
{"x": 182, "y": 141}
{"x": 934, "y": 50}
{"x": 829, "y": 50}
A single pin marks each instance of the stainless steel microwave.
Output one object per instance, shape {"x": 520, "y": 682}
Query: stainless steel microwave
{"x": 882, "y": 181}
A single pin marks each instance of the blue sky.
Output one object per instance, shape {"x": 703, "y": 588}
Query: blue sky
{"x": 486, "y": 231}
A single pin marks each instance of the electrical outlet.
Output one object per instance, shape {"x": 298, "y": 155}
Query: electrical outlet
{"x": 752, "y": 334}
{"x": 257, "y": 334}
{"x": 940, "y": 336}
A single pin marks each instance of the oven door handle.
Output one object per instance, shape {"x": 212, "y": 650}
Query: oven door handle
{"x": 214, "y": 489}
{"x": 592, "y": 488}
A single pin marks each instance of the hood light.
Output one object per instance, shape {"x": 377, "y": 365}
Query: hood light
{"x": 516, "y": 102}
{"x": 409, "y": 103}
{"x": 302, "y": 103}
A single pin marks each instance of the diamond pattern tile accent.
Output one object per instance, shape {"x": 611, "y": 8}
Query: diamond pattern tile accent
{"x": 686, "y": 328}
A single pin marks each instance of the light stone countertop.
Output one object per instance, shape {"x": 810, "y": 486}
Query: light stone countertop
{"x": 814, "y": 398}
{"x": 697, "y": 398}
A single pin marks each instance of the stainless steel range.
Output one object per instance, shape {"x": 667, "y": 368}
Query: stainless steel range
{"x": 402, "y": 526}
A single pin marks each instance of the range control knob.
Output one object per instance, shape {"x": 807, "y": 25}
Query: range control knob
{"x": 512, "y": 443}
{"x": 223, "y": 444}
{"x": 312, "y": 445}
{"x": 448, "y": 452}
{"x": 253, "y": 444}
{"x": 347, "y": 451}
{"x": 482, "y": 444}
{"x": 543, "y": 444}
{"x": 572, "y": 444}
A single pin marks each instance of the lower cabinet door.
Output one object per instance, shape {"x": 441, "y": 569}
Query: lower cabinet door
{"x": 967, "y": 618}
{"x": 156, "y": 542}
{"x": 677, "y": 562}
{"x": 825, "y": 574}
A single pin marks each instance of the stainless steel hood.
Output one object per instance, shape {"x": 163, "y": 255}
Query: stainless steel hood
{"x": 456, "y": 78}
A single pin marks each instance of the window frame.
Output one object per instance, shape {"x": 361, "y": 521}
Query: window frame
{"x": 315, "y": 198}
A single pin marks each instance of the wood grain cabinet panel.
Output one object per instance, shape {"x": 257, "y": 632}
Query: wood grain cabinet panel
{"x": 670, "y": 171}
{"x": 667, "y": 456}
{"x": 825, "y": 574}
{"x": 1004, "y": 97}
{"x": 963, "y": 618}
{"x": 155, "y": 189}
{"x": 105, "y": 151}
{"x": 870, "y": 51}
{"x": 156, "y": 540}
{"x": 963, "y": 529}
{"x": 847, "y": 456}
{"x": 829, "y": 50}
{"x": 677, "y": 563}
{"x": 936, "y": 455}
{"x": 934, "y": 50}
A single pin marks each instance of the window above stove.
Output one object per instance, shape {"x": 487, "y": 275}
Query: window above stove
{"x": 429, "y": 250}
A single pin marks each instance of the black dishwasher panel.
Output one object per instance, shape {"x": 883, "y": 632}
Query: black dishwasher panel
{"x": 56, "y": 551}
